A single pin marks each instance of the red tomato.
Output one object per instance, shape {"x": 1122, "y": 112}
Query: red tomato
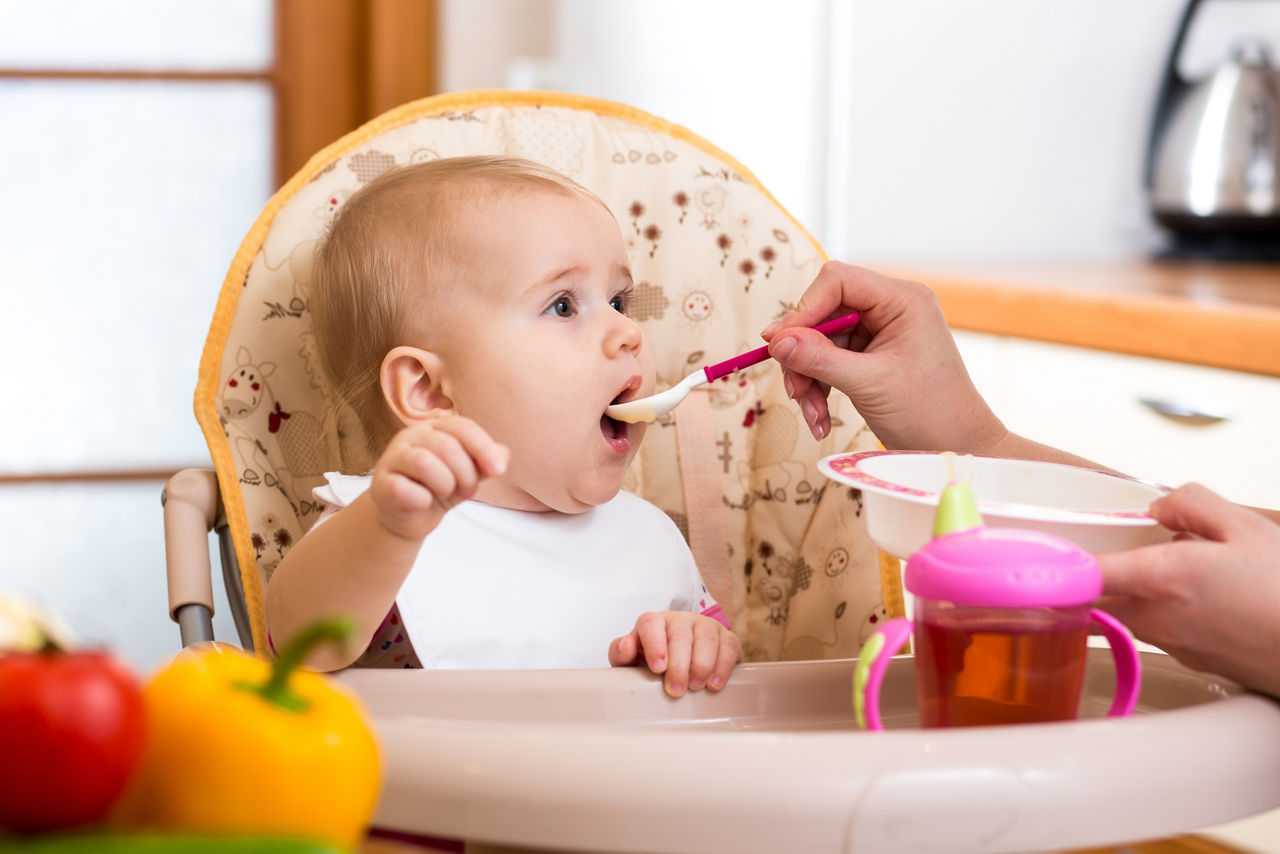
{"x": 72, "y": 730}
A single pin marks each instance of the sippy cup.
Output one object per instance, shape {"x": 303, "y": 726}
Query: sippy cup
{"x": 1001, "y": 621}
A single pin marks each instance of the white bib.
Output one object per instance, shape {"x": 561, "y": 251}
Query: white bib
{"x": 498, "y": 588}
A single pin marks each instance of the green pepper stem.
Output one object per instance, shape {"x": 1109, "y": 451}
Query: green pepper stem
{"x": 276, "y": 689}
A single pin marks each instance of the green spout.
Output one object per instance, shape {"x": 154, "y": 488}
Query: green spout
{"x": 957, "y": 510}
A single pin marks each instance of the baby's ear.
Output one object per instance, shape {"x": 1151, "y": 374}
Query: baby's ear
{"x": 413, "y": 383}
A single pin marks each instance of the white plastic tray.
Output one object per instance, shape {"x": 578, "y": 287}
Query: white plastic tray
{"x": 601, "y": 760}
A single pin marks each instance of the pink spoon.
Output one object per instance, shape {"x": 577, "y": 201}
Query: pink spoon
{"x": 649, "y": 408}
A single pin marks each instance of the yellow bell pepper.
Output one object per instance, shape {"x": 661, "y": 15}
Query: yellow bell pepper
{"x": 238, "y": 745}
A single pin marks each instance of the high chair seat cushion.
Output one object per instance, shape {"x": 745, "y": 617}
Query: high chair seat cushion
{"x": 715, "y": 259}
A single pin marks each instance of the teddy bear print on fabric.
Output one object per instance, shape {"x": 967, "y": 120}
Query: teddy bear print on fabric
{"x": 772, "y": 453}
{"x": 809, "y": 647}
{"x": 776, "y": 579}
{"x": 329, "y": 207}
{"x": 874, "y": 619}
{"x": 424, "y": 155}
{"x": 298, "y": 262}
{"x": 246, "y": 402}
{"x": 709, "y": 200}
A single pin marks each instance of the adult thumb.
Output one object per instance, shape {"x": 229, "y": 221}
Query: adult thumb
{"x": 809, "y": 353}
{"x": 1198, "y": 510}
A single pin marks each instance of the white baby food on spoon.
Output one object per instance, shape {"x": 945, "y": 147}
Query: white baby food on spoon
{"x": 633, "y": 414}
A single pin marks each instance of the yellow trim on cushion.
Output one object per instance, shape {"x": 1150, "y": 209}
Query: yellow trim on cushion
{"x": 891, "y": 586}
{"x": 233, "y": 285}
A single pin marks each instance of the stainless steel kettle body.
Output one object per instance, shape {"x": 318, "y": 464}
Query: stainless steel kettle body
{"x": 1213, "y": 163}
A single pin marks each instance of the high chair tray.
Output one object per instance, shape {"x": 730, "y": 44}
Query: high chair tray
{"x": 602, "y": 760}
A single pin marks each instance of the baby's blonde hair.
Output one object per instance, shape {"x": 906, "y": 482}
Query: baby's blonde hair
{"x": 384, "y": 254}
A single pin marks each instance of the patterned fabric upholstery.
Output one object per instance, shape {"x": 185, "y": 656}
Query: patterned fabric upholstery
{"x": 715, "y": 259}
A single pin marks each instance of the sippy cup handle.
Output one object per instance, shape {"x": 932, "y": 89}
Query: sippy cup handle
{"x": 1128, "y": 663}
{"x": 868, "y": 673}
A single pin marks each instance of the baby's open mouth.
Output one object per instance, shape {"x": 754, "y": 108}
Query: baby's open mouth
{"x": 612, "y": 428}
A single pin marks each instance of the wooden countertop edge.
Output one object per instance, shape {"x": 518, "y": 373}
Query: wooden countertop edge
{"x": 1233, "y": 336}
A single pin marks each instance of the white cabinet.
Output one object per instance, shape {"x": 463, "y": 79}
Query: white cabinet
{"x": 1090, "y": 403}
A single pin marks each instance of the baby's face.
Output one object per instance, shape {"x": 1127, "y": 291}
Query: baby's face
{"x": 539, "y": 342}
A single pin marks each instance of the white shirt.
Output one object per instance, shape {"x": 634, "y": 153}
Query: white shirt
{"x": 499, "y": 588}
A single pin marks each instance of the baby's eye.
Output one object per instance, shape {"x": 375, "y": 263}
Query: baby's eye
{"x": 621, "y": 303}
{"x": 562, "y": 307}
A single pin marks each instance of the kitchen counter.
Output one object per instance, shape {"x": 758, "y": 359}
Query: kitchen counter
{"x": 1224, "y": 315}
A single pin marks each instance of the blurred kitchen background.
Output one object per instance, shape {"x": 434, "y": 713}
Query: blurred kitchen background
{"x": 141, "y": 138}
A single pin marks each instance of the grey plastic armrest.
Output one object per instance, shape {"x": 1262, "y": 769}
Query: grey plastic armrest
{"x": 191, "y": 508}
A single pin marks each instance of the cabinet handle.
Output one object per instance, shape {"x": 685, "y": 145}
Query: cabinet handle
{"x": 1194, "y": 413}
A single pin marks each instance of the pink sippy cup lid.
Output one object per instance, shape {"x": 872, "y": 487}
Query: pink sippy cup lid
{"x": 969, "y": 564}
{"x": 1004, "y": 567}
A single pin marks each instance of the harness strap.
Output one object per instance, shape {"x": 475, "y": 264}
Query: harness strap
{"x": 703, "y": 495}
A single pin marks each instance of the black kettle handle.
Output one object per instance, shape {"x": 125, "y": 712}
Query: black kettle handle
{"x": 1172, "y": 86}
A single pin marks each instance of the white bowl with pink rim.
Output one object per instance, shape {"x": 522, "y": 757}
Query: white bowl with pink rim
{"x": 1098, "y": 511}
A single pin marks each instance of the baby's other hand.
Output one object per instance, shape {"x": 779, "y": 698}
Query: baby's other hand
{"x": 690, "y": 650}
{"x": 430, "y": 466}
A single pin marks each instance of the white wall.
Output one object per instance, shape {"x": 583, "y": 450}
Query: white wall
{"x": 1010, "y": 129}
{"x": 956, "y": 129}
{"x": 747, "y": 75}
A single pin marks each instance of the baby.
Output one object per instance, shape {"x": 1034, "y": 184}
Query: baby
{"x": 472, "y": 318}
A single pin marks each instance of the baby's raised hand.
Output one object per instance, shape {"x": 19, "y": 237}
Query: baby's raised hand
{"x": 430, "y": 466}
{"x": 690, "y": 651}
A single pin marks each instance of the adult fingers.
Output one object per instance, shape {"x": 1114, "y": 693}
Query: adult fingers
{"x": 814, "y": 355}
{"x": 837, "y": 289}
{"x": 815, "y": 410}
{"x": 1138, "y": 572}
{"x": 1165, "y": 572}
{"x": 1197, "y": 510}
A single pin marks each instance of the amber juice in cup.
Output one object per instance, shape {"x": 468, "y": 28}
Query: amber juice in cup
{"x": 978, "y": 666}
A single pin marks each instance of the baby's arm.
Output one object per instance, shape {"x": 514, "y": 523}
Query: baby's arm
{"x": 356, "y": 561}
{"x": 691, "y": 651}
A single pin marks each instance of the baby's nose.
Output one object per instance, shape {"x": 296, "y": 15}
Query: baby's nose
{"x": 624, "y": 334}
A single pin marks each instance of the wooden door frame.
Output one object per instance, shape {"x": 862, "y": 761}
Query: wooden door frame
{"x": 340, "y": 63}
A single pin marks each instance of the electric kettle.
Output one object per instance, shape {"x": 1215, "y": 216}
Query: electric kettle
{"x": 1213, "y": 160}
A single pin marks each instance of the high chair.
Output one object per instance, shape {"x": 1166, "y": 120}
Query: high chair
{"x": 601, "y": 760}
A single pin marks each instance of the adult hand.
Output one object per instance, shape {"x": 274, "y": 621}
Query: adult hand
{"x": 900, "y": 366}
{"x": 1211, "y": 598}
{"x": 691, "y": 651}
